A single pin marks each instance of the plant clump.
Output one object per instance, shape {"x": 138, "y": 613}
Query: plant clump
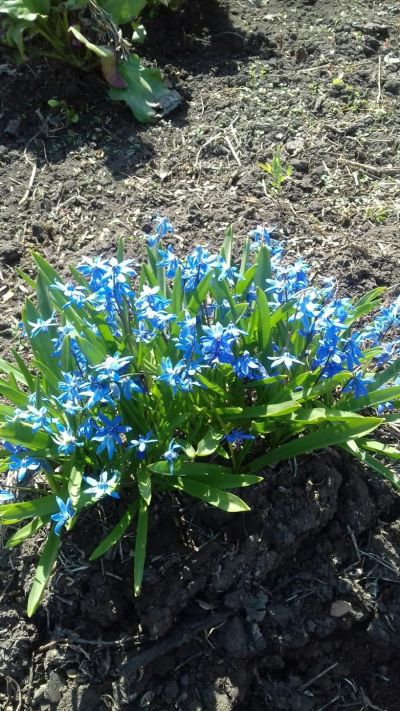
{"x": 189, "y": 375}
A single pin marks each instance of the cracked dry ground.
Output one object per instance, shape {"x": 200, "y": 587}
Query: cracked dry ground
{"x": 295, "y": 606}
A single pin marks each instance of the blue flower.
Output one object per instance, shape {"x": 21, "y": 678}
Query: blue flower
{"x": 75, "y": 295}
{"x": 25, "y": 466}
{"x": 110, "y": 434}
{"x": 42, "y": 325}
{"x": 171, "y": 454}
{"x": 65, "y": 439}
{"x": 169, "y": 261}
{"x": 140, "y": 444}
{"x": 245, "y": 366}
{"x": 285, "y": 359}
{"x": 65, "y": 514}
{"x": 237, "y": 436}
{"x": 6, "y": 496}
{"x": 103, "y": 486}
{"x": 358, "y": 385}
{"x": 110, "y": 368}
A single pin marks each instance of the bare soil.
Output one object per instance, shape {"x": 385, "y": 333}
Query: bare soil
{"x": 295, "y": 606}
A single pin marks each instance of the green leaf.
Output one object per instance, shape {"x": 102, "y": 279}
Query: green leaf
{"x": 386, "y": 450}
{"x": 387, "y": 374}
{"x": 116, "y": 533}
{"x": 27, "y": 10}
{"x": 226, "y": 249}
{"x": 263, "y": 412}
{"x": 209, "y": 444}
{"x": 45, "y": 506}
{"x": 211, "y": 495}
{"x": 18, "y": 433}
{"x": 263, "y": 268}
{"x": 326, "y": 436}
{"x": 123, "y": 11}
{"x": 375, "y": 397}
{"x": 199, "y": 294}
{"x": 26, "y": 531}
{"x": 224, "y": 481}
{"x": 95, "y": 351}
{"x": 18, "y": 397}
{"x": 45, "y": 307}
{"x": 189, "y": 468}
{"x": 43, "y": 572}
{"x": 140, "y": 546}
{"x": 145, "y": 90}
{"x": 264, "y": 322}
{"x": 24, "y": 375}
{"x": 75, "y": 483}
{"x": 144, "y": 485}
{"x": 352, "y": 448}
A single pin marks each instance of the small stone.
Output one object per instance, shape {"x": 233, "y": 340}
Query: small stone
{"x": 392, "y": 86}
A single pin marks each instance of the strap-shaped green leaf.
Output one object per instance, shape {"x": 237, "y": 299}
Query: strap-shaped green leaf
{"x": 26, "y": 531}
{"x": 44, "y": 506}
{"x": 117, "y": 532}
{"x": 385, "y": 450}
{"x": 352, "y": 448}
{"x": 18, "y": 433}
{"x": 211, "y": 495}
{"x": 326, "y": 436}
{"x": 375, "y": 397}
{"x": 43, "y": 572}
{"x": 209, "y": 443}
{"x": 140, "y": 546}
{"x": 143, "y": 479}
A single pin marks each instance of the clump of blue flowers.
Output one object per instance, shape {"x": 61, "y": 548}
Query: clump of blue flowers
{"x": 190, "y": 374}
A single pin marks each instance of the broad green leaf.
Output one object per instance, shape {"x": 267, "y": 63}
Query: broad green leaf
{"x": 144, "y": 484}
{"x": 245, "y": 257}
{"x": 226, "y": 249}
{"x": 189, "y": 468}
{"x": 45, "y": 506}
{"x": 209, "y": 444}
{"x": 263, "y": 268}
{"x": 264, "y": 322}
{"x": 375, "y": 397}
{"x": 116, "y": 533}
{"x": 319, "y": 414}
{"x": 123, "y": 11}
{"x": 386, "y": 473}
{"x": 45, "y": 307}
{"x": 326, "y": 436}
{"x": 389, "y": 373}
{"x": 243, "y": 284}
{"x": 18, "y": 433}
{"x": 386, "y": 450}
{"x": 43, "y": 572}
{"x": 176, "y": 300}
{"x": 18, "y": 397}
{"x": 145, "y": 90}
{"x": 26, "y": 531}
{"x": 75, "y": 483}
{"x": 140, "y": 546}
{"x": 17, "y": 372}
{"x": 224, "y": 481}
{"x": 27, "y": 10}
{"x": 263, "y": 412}
{"x": 199, "y": 294}
{"x": 211, "y": 495}
{"x": 94, "y": 351}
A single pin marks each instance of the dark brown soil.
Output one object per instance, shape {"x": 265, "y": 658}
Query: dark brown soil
{"x": 295, "y": 606}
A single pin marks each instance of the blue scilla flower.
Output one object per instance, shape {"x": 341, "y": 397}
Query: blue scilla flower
{"x": 162, "y": 228}
{"x": 97, "y": 392}
{"x": 218, "y": 341}
{"x": 94, "y": 269}
{"x": 246, "y": 366}
{"x": 75, "y": 295}
{"x": 179, "y": 376}
{"x": 38, "y": 418}
{"x": 141, "y": 444}
{"x": 358, "y": 384}
{"x": 103, "y": 486}
{"x": 119, "y": 271}
{"x": 111, "y": 367}
{"x": 109, "y": 435}
{"x": 128, "y": 386}
{"x": 66, "y": 513}
{"x": 169, "y": 261}
{"x": 42, "y": 325}
{"x": 196, "y": 266}
{"x": 6, "y": 496}
{"x": 70, "y": 387}
{"x": 87, "y": 428}
{"x": 227, "y": 273}
{"x": 65, "y": 439}
{"x": 142, "y": 333}
{"x": 171, "y": 454}
{"x": 24, "y": 466}
{"x": 237, "y": 436}
{"x": 285, "y": 359}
